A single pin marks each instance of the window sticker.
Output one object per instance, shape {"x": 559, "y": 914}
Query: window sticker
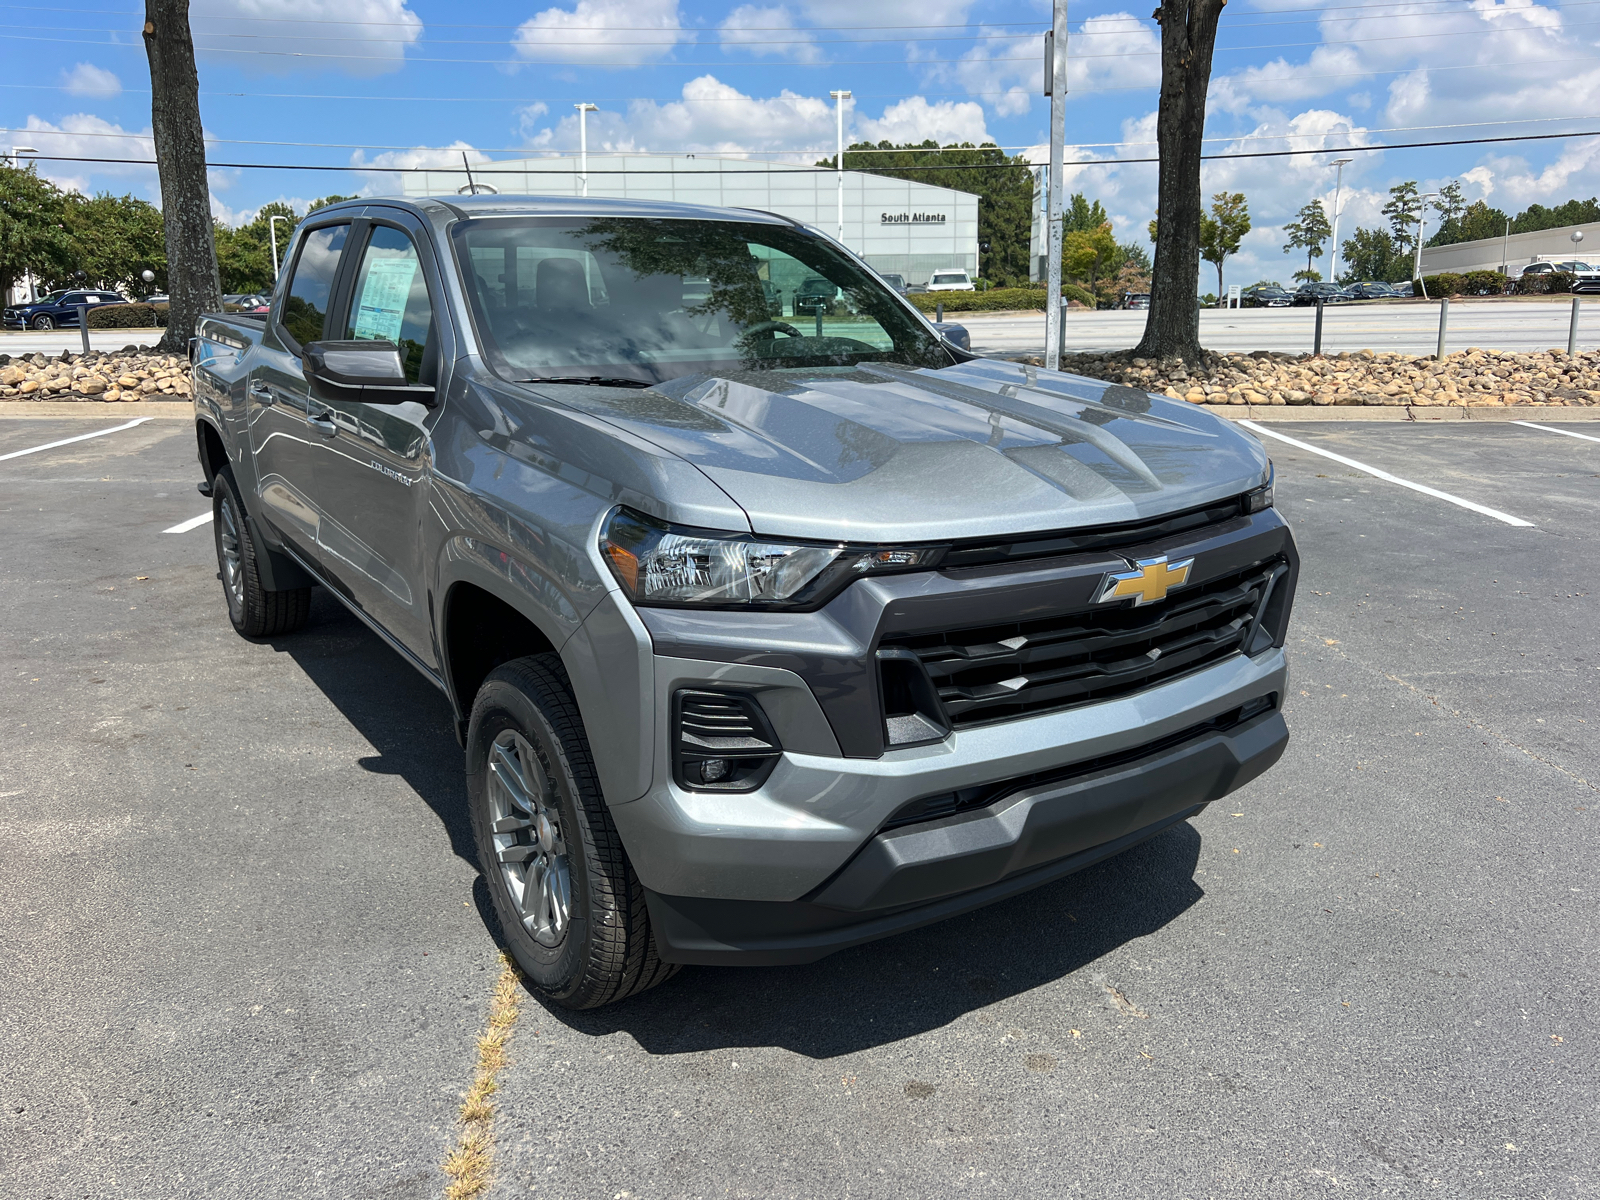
{"x": 382, "y": 307}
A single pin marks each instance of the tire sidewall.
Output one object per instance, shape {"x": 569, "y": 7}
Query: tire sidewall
{"x": 222, "y": 492}
{"x": 501, "y": 705}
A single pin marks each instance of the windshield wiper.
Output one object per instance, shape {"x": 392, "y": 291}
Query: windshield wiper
{"x": 591, "y": 380}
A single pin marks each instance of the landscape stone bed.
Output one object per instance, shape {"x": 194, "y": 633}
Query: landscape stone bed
{"x": 131, "y": 374}
{"x": 1471, "y": 378}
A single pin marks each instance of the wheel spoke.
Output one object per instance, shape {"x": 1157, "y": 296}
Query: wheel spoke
{"x": 519, "y": 854}
{"x": 509, "y": 772}
{"x": 512, "y": 824}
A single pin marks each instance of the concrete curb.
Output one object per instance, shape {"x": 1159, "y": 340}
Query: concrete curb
{"x": 98, "y": 409}
{"x": 1352, "y": 412}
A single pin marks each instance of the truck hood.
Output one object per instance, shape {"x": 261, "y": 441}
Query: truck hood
{"x": 881, "y": 453}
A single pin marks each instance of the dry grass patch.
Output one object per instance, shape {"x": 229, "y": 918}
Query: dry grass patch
{"x": 469, "y": 1166}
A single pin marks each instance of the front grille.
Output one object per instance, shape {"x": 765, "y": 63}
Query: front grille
{"x": 998, "y": 672}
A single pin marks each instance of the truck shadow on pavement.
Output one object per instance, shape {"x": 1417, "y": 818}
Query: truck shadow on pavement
{"x": 867, "y": 996}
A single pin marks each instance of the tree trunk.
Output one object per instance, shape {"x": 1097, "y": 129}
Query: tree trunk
{"x": 1221, "y": 299}
{"x": 1188, "y": 36}
{"x": 181, "y": 160}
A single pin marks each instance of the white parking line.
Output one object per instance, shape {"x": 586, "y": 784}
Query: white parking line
{"x": 1552, "y": 429}
{"x": 1384, "y": 475}
{"x": 192, "y": 523}
{"x": 82, "y": 437}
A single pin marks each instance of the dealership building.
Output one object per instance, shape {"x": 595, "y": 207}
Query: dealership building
{"x": 902, "y": 228}
{"x": 1515, "y": 251}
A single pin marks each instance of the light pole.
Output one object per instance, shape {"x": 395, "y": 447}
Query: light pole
{"x": 1338, "y": 181}
{"x": 272, "y": 229}
{"x": 583, "y": 141}
{"x": 1422, "y": 221}
{"x": 838, "y": 157}
{"x": 1055, "y": 81}
{"x": 27, "y": 276}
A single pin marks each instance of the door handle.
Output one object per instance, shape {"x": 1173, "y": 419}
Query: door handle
{"x": 261, "y": 391}
{"x": 323, "y": 423}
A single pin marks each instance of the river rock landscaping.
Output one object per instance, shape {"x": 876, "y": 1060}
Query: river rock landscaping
{"x": 133, "y": 373}
{"x": 1470, "y": 378}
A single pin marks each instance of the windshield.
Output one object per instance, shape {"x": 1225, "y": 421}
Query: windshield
{"x": 951, "y": 277}
{"x": 52, "y": 298}
{"x": 644, "y": 299}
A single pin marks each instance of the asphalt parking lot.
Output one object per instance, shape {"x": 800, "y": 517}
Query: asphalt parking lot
{"x": 245, "y": 953}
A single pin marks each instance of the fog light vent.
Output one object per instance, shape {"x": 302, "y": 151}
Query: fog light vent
{"x": 723, "y": 742}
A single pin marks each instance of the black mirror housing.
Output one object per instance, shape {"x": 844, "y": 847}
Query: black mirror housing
{"x": 368, "y": 371}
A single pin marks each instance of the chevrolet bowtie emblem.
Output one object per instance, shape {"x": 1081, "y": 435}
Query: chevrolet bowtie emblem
{"x": 1152, "y": 580}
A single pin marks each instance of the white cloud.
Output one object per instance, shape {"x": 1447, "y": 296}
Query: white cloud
{"x": 85, "y": 136}
{"x": 715, "y": 118}
{"x": 382, "y": 174}
{"x": 766, "y": 32}
{"x": 276, "y": 37}
{"x": 86, "y": 79}
{"x": 614, "y": 33}
{"x": 915, "y": 120}
{"x": 909, "y": 14}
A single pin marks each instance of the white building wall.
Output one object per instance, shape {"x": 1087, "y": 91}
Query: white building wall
{"x": 805, "y": 194}
{"x": 1520, "y": 249}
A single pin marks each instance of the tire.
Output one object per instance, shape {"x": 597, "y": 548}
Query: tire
{"x": 254, "y": 611}
{"x": 571, "y": 909}
{"x": 43, "y": 323}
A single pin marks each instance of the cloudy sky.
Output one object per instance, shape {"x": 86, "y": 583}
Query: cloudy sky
{"x": 379, "y": 84}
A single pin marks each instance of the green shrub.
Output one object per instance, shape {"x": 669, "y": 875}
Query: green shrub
{"x": 1544, "y": 283}
{"x": 1483, "y": 283}
{"x": 1446, "y": 283}
{"x": 128, "y": 316}
{"x": 995, "y": 299}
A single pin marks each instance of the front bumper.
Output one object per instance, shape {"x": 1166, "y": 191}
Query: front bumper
{"x": 913, "y": 876}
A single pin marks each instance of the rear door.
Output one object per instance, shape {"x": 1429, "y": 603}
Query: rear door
{"x": 286, "y": 446}
{"x": 371, "y": 486}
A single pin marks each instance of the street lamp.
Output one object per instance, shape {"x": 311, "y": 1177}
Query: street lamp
{"x": 1422, "y": 221}
{"x": 583, "y": 141}
{"x": 19, "y": 150}
{"x": 149, "y": 277}
{"x": 1338, "y": 181}
{"x": 27, "y": 276}
{"x": 838, "y": 158}
{"x": 272, "y": 230}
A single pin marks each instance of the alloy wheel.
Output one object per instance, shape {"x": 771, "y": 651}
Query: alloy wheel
{"x": 232, "y": 556}
{"x": 43, "y": 323}
{"x": 525, "y": 818}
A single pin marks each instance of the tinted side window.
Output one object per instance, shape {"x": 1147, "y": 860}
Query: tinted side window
{"x": 305, "y": 306}
{"x": 390, "y": 300}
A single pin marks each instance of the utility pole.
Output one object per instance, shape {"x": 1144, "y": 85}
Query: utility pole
{"x": 1505, "y": 251}
{"x": 1055, "y": 84}
{"x": 27, "y": 276}
{"x": 1338, "y": 181}
{"x": 838, "y": 158}
{"x": 583, "y": 142}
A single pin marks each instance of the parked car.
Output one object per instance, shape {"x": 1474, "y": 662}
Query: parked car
{"x": 951, "y": 279}
{"x": 1327, "y": 293}
{"x": 58, "y": 310}
{"x": 1265, "y": 296}
{"x": 761, "y": 644}
{"x": 1372, "y": 289}
{"x": 1585, "y": 278}
{"x": 1134, "y": 300}
{"x": 815, "y": 295}
{"x": 897, "y": 282}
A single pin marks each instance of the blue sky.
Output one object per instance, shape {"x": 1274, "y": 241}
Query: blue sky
{"x": 380, "y": 84}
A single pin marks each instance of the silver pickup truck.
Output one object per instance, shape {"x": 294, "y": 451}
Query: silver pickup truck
{"x": 767, "y": 632}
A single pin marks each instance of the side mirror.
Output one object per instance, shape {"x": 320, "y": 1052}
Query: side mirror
{"x": 368, "y": 371}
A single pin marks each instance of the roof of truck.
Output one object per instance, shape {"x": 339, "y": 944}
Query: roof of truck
{"x": 565, "y": 206}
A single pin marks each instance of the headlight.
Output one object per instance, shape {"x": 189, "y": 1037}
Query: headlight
{"x": 1261, "y": 498}
{"x": 661, "y": 564}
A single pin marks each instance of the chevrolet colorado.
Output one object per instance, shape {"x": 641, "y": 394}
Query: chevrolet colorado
{"x": 765, "y": 634}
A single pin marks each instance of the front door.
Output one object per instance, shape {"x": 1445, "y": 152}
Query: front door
{"x": 371, "y": 493}
{"x": 286, "y": 445}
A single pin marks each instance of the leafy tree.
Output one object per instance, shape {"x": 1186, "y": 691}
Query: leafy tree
{"x": 1402, "y": 210}
{"x": 1135, "y": 255}
{"x": 1221, "y": 230}
{"x": 1475, "y": 222}
{"x": 1574, "y": 212}
{"x": 1449, "y": 203}
{"x": 33, "y": 236}
{"x": 1003, "y": 184}
{"x": 1374, "y": 254}
{"x": 113, "y": 240}
{"x": 1308, "y": 231}
{"x": 1080, "y": 216}
{"x": 1090, "y": 254}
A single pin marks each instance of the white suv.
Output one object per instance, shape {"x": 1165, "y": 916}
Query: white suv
{"x": 953, "y": 280}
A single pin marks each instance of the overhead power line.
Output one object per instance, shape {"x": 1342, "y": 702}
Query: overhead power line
{"x": 491, "y": 169}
